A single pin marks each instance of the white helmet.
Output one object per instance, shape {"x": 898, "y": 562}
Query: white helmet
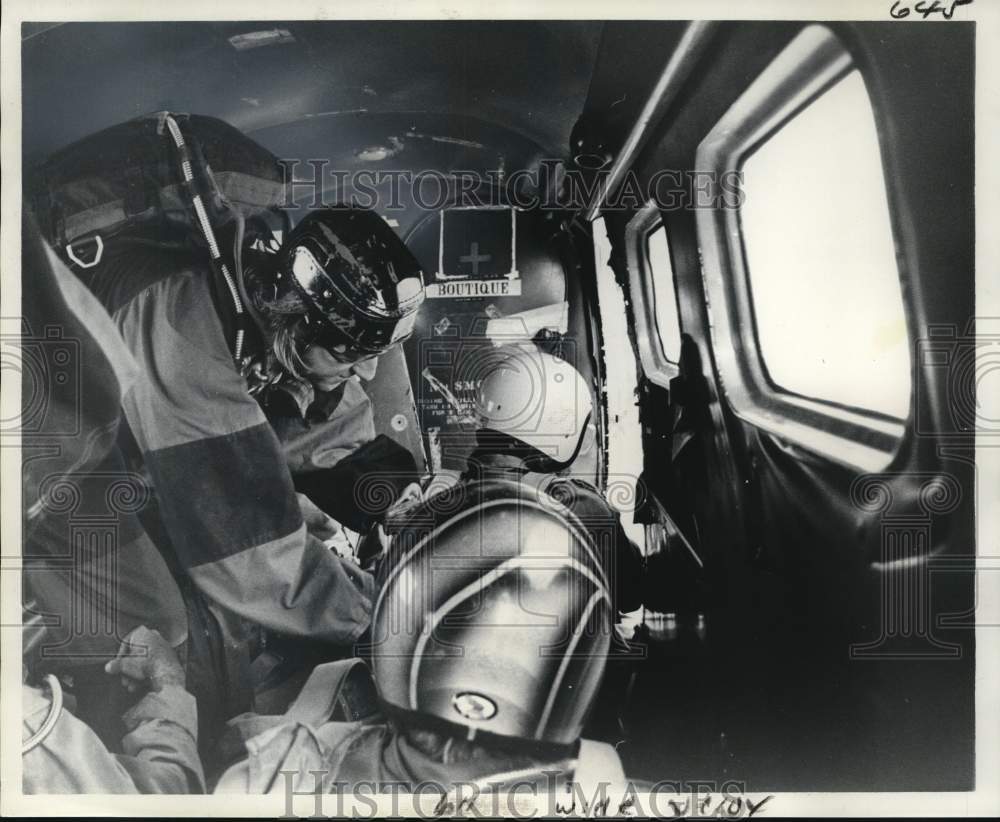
{"x": 535, "y": 398}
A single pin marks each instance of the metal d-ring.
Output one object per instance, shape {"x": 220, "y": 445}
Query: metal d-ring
{"x": 98, "y": 254}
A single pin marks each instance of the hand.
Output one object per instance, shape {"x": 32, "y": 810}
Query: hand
{"x": 318, "y": 523}
{"x": 408, "y": 497}
{"x": 145, "y": 658}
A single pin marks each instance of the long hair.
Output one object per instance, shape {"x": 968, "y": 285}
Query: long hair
{"x": 283, "y": 317}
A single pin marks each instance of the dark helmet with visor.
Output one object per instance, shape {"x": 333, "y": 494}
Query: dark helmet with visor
{"x": 361, "y": 283}
{"x": 494, "y": 618}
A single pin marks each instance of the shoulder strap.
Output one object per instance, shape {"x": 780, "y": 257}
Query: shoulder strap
{"x": 539, "y": 481}
{"x": 55, "y": 709}
{"x": 342, "y": 691}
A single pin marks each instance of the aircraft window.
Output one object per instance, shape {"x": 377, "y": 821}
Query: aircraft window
{"x": 819, "y": 249}
{"x": 661, "y": 273}
{"x": 654, "y": 301}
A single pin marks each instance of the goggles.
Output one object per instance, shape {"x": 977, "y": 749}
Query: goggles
{"x": 335, "y": 320}
{"x": 316, "y": 331}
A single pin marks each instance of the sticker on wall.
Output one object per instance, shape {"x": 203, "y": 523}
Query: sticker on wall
{"x": 476, "y": 254}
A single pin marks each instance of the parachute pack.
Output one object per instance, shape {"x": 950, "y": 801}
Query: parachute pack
{"x": 161, "y": 172}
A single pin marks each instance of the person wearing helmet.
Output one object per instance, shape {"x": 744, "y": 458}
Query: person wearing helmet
{"x": 226, "y": 511}
{"x": 341, "y": 291}
{"x": 489, "y": 642}
{"x": 533, "y": 411}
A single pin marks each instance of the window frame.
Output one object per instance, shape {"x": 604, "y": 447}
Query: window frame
{"x": 655, "y": 364}
{"x": 860, "y": 439}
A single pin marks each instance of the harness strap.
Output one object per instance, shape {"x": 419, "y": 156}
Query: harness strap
{"x": 206, "y": 229}
{"x": 55, "y": 709}
{"x": 343, "y": 691}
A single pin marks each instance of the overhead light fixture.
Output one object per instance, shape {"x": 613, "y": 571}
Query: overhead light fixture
{"x": 257, "y": 39}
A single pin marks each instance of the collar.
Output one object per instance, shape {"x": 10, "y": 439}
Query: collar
{"x": 484, "y": 463}
{"x": 312, "y": 405}
{"x": 404, "y": 760}
{"x": 302, "y": 393}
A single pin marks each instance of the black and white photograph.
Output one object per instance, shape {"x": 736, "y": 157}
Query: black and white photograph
{"x": 548, "y": 410}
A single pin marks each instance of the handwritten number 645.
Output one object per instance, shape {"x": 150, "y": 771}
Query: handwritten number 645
{"x": 900, "y": 11}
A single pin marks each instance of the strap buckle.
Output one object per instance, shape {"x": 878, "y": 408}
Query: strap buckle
{"x": 98, "y": 252}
